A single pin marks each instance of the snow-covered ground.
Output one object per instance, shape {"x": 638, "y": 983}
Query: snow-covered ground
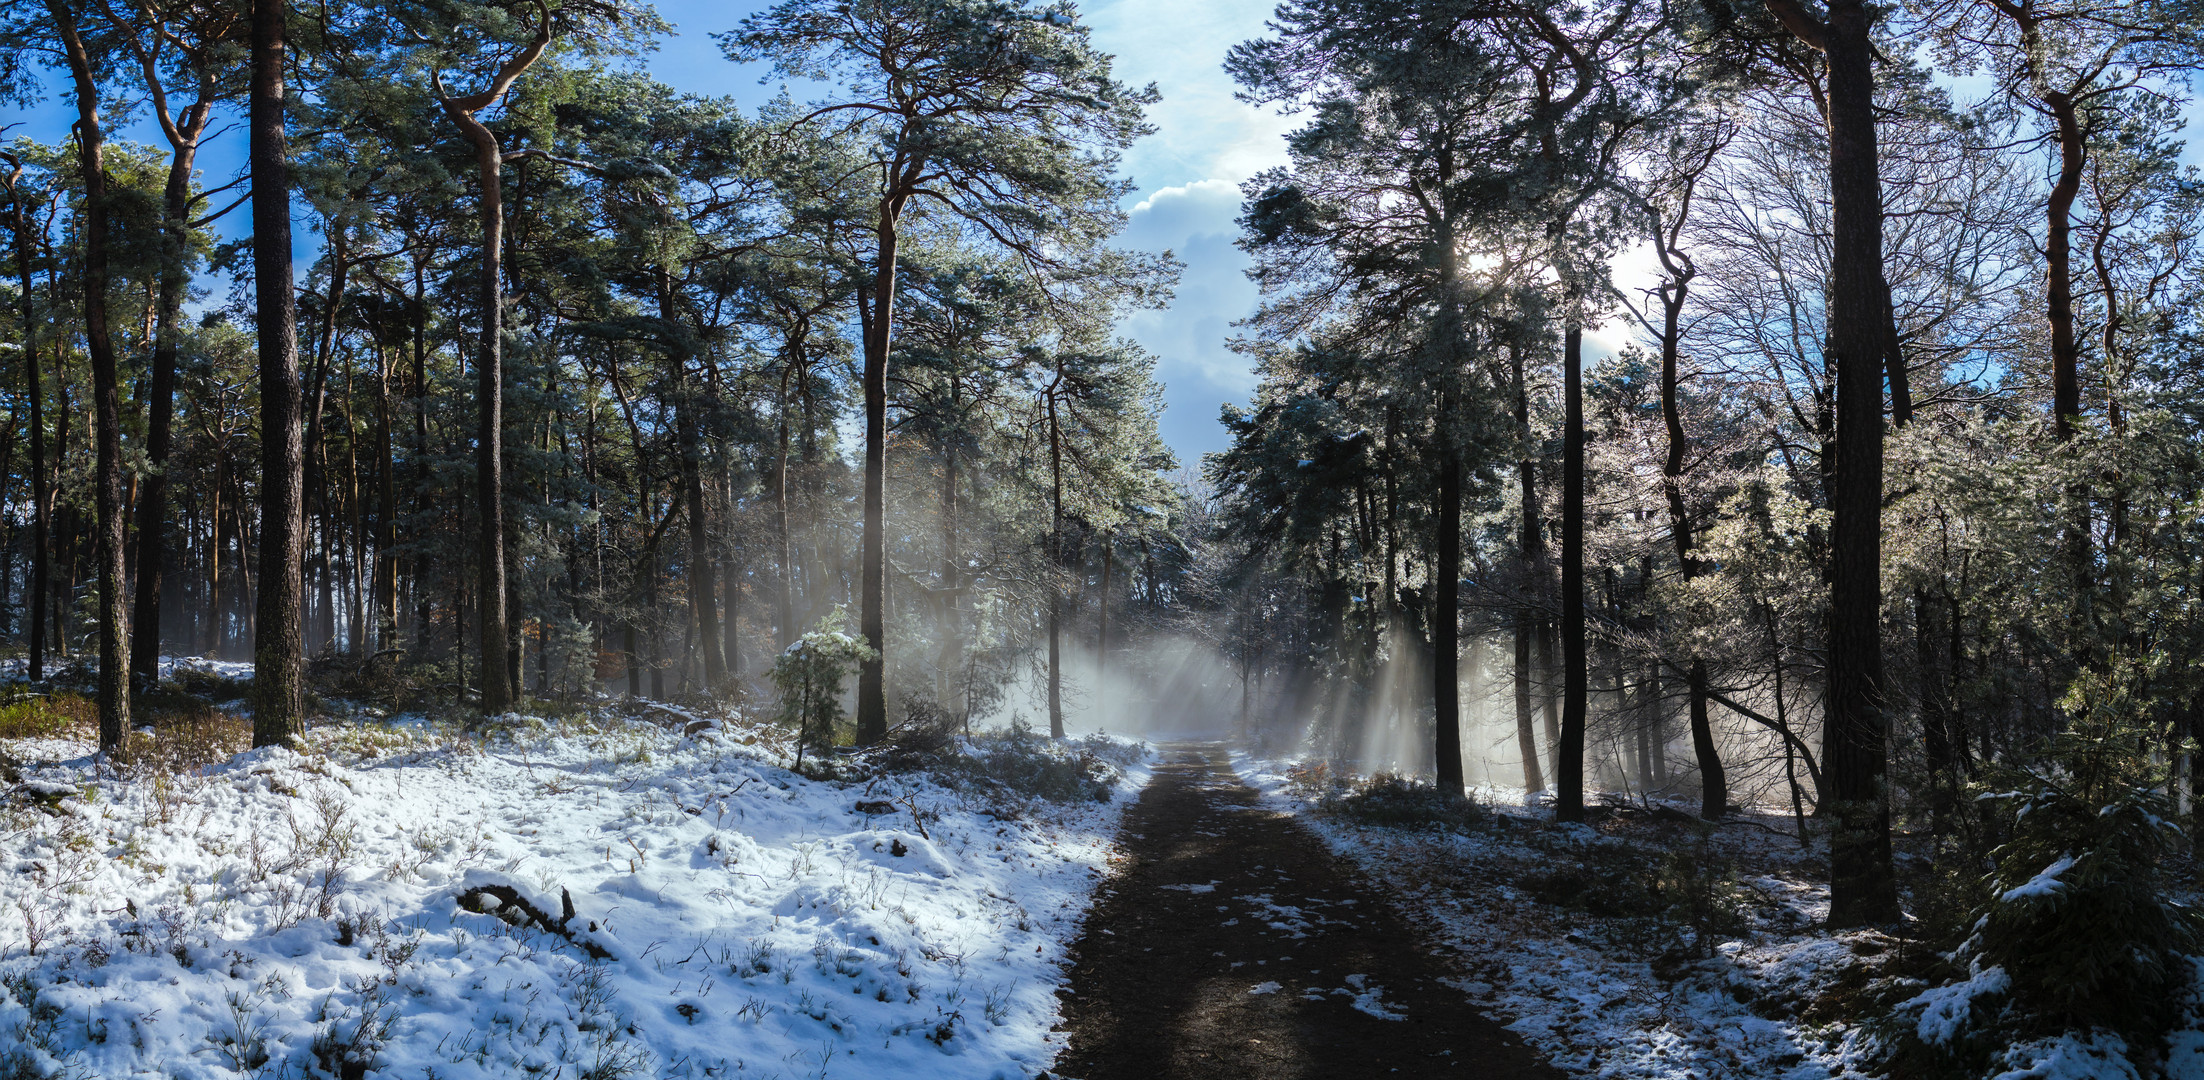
{"x": 1591, "y": 993}
{"x": 301, "y": 914}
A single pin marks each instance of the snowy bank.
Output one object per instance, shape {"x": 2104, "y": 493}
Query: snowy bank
{"x": 1613, "y": 997}
{"x": 575, "y": 898}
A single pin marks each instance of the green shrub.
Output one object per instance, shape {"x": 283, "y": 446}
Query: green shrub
{"x": 1400, "y": 802}
{"x": 2074, "y": 932}
{"x": 61, "y": 714}
{"x": 809, "y": 676}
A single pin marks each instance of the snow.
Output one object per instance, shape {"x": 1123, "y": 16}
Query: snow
{"x": 230, "y": 670}
{"x": 1369, "y": 999}
{"x": 2045, "y": 883}
{"x": 1946, "y": 1010}
{"x": 2069, "y": 1057}
{"x": 376, "y": 898}
{"x": 1590, "y": 1003}
{"x": 1208, "y": 888}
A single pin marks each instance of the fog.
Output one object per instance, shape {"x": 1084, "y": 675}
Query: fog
{"x": 1179, "y": 687}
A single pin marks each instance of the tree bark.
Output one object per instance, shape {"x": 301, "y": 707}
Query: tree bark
{"x": 2058, "y": 253}
{"x": 1713, "y": 780}
{"x": 1569, "y": 763}
{"x": 1056, "y": 553}
{"x": 1446, "y": 613}
{"x": 872, "y": 696}
{"x": 703, "y": 578}
{"x": 490, "y": 616}
{"x": 34, "y": 596}
{"x": 386, "y": 515}
{"x": 152, "y": 512}
{"x": 1531, "y": 556}
{"x": 1863, "y": 884}
{"x": 114, "y": 629}
{"x": 279, "y": 705}
{"x": 785, "y": 613}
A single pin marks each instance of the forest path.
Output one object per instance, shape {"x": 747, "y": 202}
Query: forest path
{"x": 1232, "y": 944}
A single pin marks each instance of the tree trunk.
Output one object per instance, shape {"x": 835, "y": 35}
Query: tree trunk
{"x": 386, "y": 516}
{"x": 278, "y": 693}
{"x": 2066, "y": 387}
{"x": 35, "y": 592}
{"x": 1446, "y": 686}
{"x": 114, "y": 631}
{"x": 1713, "y": 781}
{"x": 1863, "y": 886}
{"x": 703, "y": 583}
{"x": 152, "y": 512}
{"x": 498, "y": 676}
{"x": 1057, "y": 559}
{"x": 490, "y": 425}
{"x": 1569, "y": 763}
{"x": 1102, "y": 634}
{"x": 1531, "y": 556}
{"x": 785, "y": 614}
{"x": 952, "y": 568}
{"x": 872, "y": 697}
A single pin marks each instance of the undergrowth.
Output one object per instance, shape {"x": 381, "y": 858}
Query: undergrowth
{"x": 1394, "y": 801}
{"x": 59, "y": 715}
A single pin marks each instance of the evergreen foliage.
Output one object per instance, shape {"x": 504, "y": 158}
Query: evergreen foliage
{"x": 809, "y": 676}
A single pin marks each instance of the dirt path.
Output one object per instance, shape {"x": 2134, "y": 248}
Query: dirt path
{"x": 1234, "y": 945}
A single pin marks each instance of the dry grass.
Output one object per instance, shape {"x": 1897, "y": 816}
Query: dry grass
{"x": 185, "y": 735}
{"x": 175, "y": 733}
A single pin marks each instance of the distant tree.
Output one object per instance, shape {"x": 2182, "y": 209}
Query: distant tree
{"x": 1000, "y": 115}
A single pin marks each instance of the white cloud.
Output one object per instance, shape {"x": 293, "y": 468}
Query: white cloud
{"x": 1195, "y": 222}
{"x": 1179, "y": 45}
{"x": 1189, "y": 172}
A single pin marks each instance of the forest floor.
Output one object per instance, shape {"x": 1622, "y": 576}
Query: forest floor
{"x": 1641, "y": 946}
{"x": 631, "y": 890}
{"x": 1231, "y": 944}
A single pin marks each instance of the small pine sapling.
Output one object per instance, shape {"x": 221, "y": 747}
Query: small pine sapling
{"x": 809, "y": 676}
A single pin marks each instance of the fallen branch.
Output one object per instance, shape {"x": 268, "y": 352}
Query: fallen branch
{"x": 509, "y": 897}
{"x": 912, "y": 805}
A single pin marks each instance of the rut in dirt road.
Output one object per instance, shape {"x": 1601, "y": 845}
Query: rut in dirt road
{"x": 1234, "y": 945}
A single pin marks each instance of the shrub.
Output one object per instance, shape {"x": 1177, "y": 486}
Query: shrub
{"x": 2074, "y": 933}
{"x": 61, "y": 714}
{"x": 1681, "y": 902}
{"x": 927, "y": 737}
{"x": 180, "y": 735}
{"x": 1401, "y": 802}
{"x": 1018, "y": 762}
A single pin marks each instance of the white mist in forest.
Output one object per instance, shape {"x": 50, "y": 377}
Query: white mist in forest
{"x": 1391, "y": 728}
{"x": 1180, "y": 687}
{"x": 1162, "y": 688}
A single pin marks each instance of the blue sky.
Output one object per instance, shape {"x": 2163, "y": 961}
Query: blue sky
{"x": 1188, "y": 172}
